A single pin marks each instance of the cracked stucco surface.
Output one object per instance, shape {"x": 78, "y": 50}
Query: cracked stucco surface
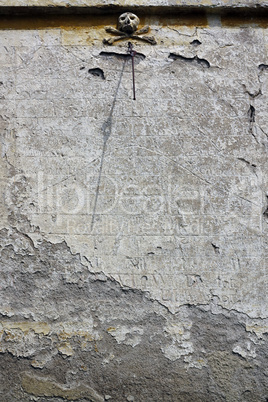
{"x": 134, "y": 233}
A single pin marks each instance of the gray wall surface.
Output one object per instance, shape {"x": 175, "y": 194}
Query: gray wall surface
{"x": 134, "y": 232}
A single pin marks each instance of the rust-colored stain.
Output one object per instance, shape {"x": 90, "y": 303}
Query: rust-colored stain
{"x": 60, "y": 21}
{"x": 239, "y": 21}
{"x": 71, "y": 22}
{"x": 110, "y": 329}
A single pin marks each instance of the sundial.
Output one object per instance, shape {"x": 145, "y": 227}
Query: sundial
{"x": 127, "y": 28}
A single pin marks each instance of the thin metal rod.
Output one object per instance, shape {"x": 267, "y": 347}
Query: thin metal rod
{"x": 133, "y": 76}
{"x": 132, "y": 54}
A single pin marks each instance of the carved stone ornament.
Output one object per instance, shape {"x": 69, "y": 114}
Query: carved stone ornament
{"x": 127, "y": 27}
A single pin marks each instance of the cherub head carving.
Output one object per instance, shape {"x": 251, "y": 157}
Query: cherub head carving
{"x": 128, "y": 23}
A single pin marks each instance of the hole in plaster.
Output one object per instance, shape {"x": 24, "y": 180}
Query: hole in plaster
{"x": 97, "y": 72}
{"x": 138, "y": 56}
{"x": 194, "y": 60}
{"x": 263, "y": 67}
{"x": 251, "y": 114}
{"x": 196, "y": 42}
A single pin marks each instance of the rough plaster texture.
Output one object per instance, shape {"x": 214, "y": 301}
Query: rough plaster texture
{"x": 134, "y": 233}
{"x": 127, "y": 3}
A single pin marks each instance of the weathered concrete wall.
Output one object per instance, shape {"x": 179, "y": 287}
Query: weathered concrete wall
{"x": 134, "y": 232}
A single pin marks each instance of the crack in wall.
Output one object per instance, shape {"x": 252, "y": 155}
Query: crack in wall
{"x": 251, "y": 117}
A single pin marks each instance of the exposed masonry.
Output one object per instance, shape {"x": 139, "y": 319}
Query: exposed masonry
{"x": 134, "y": 234}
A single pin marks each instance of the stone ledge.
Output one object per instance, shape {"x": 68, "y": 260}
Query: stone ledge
{"x": 97, "y": 6}
{"x": 137, "y": 3}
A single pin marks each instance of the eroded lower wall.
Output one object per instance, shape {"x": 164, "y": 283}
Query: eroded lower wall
{"x": 134, "y": 233}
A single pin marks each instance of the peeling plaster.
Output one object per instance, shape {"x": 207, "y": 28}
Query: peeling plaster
{"x": 133, "y": 231}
